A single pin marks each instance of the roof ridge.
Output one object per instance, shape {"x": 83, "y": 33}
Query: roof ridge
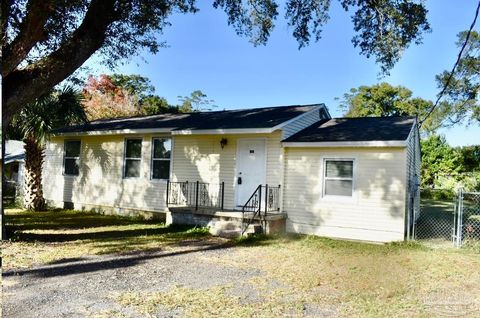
{"x": 202, "y": 112}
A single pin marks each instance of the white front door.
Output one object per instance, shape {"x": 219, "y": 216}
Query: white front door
{"x": 251, "y": 168}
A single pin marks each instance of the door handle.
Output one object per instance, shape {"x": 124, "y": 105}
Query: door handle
{"x": 239, "y": 180}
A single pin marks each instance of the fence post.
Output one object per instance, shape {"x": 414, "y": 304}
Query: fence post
{"x": 460, "y": 218}
{"x": 266, "y": 199}
{"x": 223, "y": 194}
{"x": 168, "y": 191}
{"x": 196, "y": 196}
{"x": 260, "y": 200}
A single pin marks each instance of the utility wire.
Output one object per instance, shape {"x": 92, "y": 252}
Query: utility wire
{"x": 447, "y": 83}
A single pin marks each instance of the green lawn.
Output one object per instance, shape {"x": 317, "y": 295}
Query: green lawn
{"x": 327, "y": 277}
{"x": 46, "y": 237}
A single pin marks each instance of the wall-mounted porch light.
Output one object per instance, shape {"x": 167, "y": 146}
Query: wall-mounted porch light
{"x": 223, "y": 142}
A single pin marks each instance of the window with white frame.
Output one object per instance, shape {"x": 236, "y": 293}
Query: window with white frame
{"x": 133, "y": 157}
{"x": 71, "y": 158}
{"x": 338, "y": 177}
{"x": 161, "y": 154}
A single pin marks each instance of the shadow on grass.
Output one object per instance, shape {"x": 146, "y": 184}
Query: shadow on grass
{"x": 79, "y": 266}
{"x": 169, "y": 232}
{"x": 66, "y": 220}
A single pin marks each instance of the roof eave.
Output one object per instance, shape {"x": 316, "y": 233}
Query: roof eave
{"x": 223, "y": 131}
{"x": 115, "y": 132}
{"x": 346, "y": 144}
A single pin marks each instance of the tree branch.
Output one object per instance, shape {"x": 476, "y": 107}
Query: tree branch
{"x": 31, "y": 31}
{"x": 23, "y": 85}
{"x": 5, "y": 7}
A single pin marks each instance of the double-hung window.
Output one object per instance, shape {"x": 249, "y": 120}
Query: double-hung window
{"x": 338, "y": 177}
{"x": 133, "y": 158}
{"x": 71, "y": 157}
{"x": 161, "y": 154}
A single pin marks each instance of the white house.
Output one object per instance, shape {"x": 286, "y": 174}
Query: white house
{"x": 290, "y": 166}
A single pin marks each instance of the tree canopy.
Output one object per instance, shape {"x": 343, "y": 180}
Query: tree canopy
{"x": 447, "y": 167}
{"x": 461, "y": 102}
{"x": 122, "y": 95}
{"x": 45, "y": 41}
{"x": 384, "y": 100}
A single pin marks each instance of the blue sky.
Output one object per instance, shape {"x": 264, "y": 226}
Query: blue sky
{"x": 204, "y": 53}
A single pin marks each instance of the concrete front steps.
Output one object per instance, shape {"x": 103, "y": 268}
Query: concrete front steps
{"x": 229, "y": 229}
{"x": 225, "y": 223}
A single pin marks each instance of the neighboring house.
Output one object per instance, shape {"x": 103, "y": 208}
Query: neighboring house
{"x": 292, "y": 166}
{"x": 14, "y": 167}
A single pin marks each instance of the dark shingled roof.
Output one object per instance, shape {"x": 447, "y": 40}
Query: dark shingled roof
{"x": 267, "y": 117}
{"x": 356, "y": 129}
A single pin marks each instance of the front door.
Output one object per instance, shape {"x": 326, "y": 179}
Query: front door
{"x": 251, "y": 168}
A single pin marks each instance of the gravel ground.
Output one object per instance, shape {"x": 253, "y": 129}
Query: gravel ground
{"x": 81, "y": 288}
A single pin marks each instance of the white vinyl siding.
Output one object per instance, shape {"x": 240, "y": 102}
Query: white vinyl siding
{"x": 301, "y": 122}
{"x": 375, "y": 213}
{"x": 201, "y": 158}
{"x": 100, "y": 181}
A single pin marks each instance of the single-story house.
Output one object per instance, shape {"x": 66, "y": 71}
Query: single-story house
{"x": 351, "y": 178}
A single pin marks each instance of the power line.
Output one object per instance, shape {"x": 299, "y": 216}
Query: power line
{"x": 447, "y": 83}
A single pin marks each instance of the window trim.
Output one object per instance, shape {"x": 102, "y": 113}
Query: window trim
{"x": 65, "y": 157}
{"x": 124, "y": 173}
{"x": 324, "y": 178}
{"x": 152, "y": 159}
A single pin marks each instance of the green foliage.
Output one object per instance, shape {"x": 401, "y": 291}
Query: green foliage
{"x": 386, "y": 28}
{"x": 461, "y": 99}
{"x": 153, "y": 104}
{"x": 446, "y": 193}
{"x": 44, "y": 42}
{"x": 445, "y": 167}
{"x": 134, "y": 84}
{"x": 51, "y": 111}
{"x": 470, "y": 157}
{"x": 383, "y": 100}
{"x": 438, "y": 158}
{"x": 197, "y": 101}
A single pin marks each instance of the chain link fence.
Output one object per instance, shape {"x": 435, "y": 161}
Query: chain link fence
{"x": 448, "y": 218}
{"x": 468, "y": 219}
{"x": 435, "y": 224}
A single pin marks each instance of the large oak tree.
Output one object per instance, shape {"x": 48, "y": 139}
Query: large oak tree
{"x": 45, "y": 41}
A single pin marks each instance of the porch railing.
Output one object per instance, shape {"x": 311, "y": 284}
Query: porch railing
{"x": 195, "y": 194}
{"x": 263, "y": 200}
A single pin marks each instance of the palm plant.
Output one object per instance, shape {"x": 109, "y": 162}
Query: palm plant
{"x": 34, "y": 125}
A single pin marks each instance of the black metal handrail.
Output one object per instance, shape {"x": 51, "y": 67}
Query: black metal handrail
{"x": 264, "y": 199}
{"x": 195, "y": 194}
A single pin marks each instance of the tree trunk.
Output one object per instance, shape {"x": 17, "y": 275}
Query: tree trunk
{"x": 33, "y": 192}
{"x": 23, "y": 85}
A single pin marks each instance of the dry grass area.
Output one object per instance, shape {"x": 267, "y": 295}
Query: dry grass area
{"x": 48, "y": 237}
{"x": 309, "y": 276}
{"x": 293, "y": 276}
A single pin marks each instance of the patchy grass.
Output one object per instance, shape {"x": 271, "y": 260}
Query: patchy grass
{"x": 311, "y": 276}
{"x": 50, "y": 237}
{"x": 299, "y": 275}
